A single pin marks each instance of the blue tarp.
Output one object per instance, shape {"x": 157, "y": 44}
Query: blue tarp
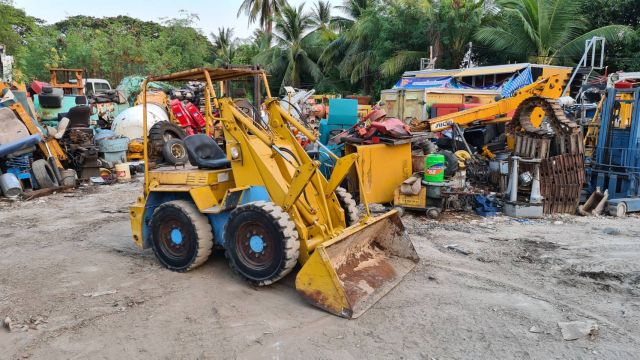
{"x": 516, "y": 82}
{"x": 425, "y": 82}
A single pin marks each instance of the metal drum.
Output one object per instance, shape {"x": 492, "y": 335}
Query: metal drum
{"x": 10, "y": 185}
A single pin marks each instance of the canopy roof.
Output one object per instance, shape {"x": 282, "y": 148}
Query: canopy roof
{"x": 198, "y": 74}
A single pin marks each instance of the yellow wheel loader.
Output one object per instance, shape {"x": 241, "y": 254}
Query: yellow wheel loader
{"x": 264, "y": 201}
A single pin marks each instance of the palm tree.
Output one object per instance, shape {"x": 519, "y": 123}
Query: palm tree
{"x": 264, "y": 11}
{"x": 289, "y": 56}
{"x": 224, "y": 46}
{"x": 452, "y": 24}
{"x": 261, "y": 40}
{"x": 352, "y": 49}
{"x": 322, "y": 20}
{"x": 353, "y": 10}
{"x": 543, "y": 30}
{"x": 321, "y": 14}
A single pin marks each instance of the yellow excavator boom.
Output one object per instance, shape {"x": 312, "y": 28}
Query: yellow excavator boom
{"x": 549, "y": 88}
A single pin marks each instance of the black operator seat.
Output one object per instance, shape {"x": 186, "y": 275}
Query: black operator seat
{"x": 205, "y": 153}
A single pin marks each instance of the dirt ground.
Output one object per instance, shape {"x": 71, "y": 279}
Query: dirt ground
{"x": 503, "y": 299}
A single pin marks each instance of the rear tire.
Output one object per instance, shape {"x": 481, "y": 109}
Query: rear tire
{"x": 181, "y": 236}
{"x": 351, "y": 212}
{"x": 261, "y": 242}
{"x": 43, "y": 173}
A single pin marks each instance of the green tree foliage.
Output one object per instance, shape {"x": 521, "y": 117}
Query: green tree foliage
{"x": 15, "y": 26}
{"x": 262, "y": 11}
{"x": 244, "y": 54}
{"x": 548, "y": 31}
{"x": 622, "y": 54}
{"x": 290, "y": 57}
{"x": 453, "y": 24}
{"x": 599, "y": 13}
{"x": 39, "y": 54}
{"x": 224, "y": 46}
{"x": 323, "y": 21}
{"x": 113, "y": 48}
{"x": 360, "y": 46}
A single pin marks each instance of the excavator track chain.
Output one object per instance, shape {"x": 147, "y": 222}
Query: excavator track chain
{"x": 558, "y": 126}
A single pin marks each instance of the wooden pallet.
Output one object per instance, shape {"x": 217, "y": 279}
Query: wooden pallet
{"x": 561, "y": 178}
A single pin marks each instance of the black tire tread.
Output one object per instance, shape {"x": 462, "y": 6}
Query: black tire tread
{"x": 169, "y": 157}
{"x": 288, "y": 231}
{"x": 44, "y": 174}
{"x": 450, "y": 162}
{"x": 156, "y": 137}
{"x": 202, "y": 228}
{"x": 351, "y": 212}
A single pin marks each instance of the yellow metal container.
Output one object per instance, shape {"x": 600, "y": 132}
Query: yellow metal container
{"x": 413, "y": 105}
{"x": 443, "y": 98}
{"x": 383, "y": 168}
{"x": 411, "y": 201}
{"x": 392, "y": 99}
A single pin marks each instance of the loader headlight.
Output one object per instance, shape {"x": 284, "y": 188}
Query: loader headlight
{"x": 234, "y": 153}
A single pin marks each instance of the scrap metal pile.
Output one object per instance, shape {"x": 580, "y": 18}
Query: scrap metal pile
{"x": 53, "y": 135}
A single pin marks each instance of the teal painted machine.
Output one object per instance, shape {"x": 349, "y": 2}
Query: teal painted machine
{"x": 49, "y": 115}
{"x": 343, "y": 115}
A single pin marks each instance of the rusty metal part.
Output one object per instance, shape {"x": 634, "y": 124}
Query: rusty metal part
{"x": 561, "y": 179}
{"x": 534, "y": 141}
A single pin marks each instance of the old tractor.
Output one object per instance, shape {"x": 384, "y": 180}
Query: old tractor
{"x": 263, "y": 200}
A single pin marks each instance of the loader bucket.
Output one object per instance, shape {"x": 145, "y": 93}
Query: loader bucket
{"x": 351, "y": 272}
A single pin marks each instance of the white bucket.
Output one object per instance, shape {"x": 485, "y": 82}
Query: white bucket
{"x": 123, "y": 174}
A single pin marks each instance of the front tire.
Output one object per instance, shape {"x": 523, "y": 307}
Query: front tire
{"x": 181, "y": 236}
{"x": 351, "y": 212}
{"x": 261, "y": 242}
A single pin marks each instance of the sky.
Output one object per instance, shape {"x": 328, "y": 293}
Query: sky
{"x": 213, "y": 13}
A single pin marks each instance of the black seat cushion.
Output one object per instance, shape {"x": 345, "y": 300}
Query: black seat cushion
{"x": 81, "y": 100}
{"x": 205, "y": 153}
{"x": 50, "y": 98}
{"x": 79, "y": 116}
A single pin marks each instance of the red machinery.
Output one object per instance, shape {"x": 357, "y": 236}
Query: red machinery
{"x": 188, "y": 116}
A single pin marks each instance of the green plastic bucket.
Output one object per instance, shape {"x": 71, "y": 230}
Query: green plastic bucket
{"x": 434, "y": 168}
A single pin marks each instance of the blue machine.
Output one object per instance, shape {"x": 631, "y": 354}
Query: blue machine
{"x": 616, "y": 163}
{"x": 343, "y": 115}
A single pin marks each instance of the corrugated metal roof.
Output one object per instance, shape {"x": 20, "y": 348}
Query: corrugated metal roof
{"x": 476, "y": 71}
{"x": 431, "y": 73}
{"x": 490, "y": 70}
{"x": 462, "y": 91}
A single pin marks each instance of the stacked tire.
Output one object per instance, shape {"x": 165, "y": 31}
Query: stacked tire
{"x": 165, "y": 143}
